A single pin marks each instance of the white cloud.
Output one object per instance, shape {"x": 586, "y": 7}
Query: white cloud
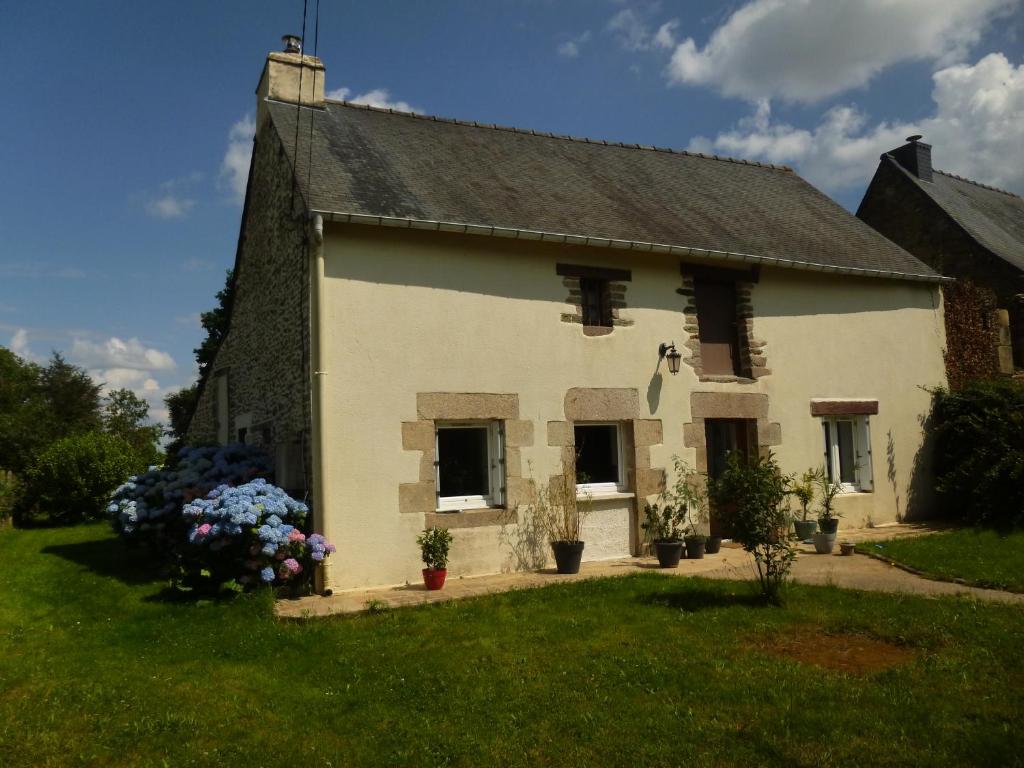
{"x": 570, "y": 49}
{"x": 805, "y": 50}
{"x": 976, "y": 130}
{"x": 665, "y": 37}
{"x": 234, "y": 168}
{"x": 19, "y": 344}
{"x": 378, "y": 97}
{"x": 631, "y": 31}
{"x": 169, "y": 206}
{"x": 115, "y": 353}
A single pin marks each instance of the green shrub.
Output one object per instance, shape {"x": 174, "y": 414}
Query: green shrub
{"x": 72, "y": 479}
{"x": 752, "y": 501}
{"x": 978, "y": 436}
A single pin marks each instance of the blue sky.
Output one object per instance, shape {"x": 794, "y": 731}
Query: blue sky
{"x": 126, "y": 123}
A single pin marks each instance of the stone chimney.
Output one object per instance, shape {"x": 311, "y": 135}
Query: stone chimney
{"x": 915, "y": 157}
{"x": 290, "y": 77}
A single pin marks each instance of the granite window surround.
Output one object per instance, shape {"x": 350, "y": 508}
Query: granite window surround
{"x": 582, "y": 281}
{"x": 752, "y": 363}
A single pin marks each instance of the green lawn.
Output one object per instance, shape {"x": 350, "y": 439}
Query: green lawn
{"x": 98, "y": 668}
{"x": 983, "y": 558}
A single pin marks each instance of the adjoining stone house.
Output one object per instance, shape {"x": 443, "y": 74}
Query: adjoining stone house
{"x": 961, "y": 228}
{"x": 432, "y": 317}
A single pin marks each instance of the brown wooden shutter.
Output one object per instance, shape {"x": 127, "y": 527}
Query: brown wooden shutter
{"x": 716, "y": 319}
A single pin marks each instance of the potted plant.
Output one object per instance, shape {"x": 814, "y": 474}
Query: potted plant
{"x": 803, "y": 491}
{"x": 664, "y": 527}
{"x": 828, "y": 517}
{"x": 434, "y": 545}
{"x": 688, "y": 495}
{"x": 559, "y": 513}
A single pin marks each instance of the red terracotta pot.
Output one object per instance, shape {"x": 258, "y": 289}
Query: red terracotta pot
{"x": 433, "y": 578}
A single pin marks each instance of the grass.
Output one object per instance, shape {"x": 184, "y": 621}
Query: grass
{"x": 982, "y": 558}
{"x": 98, "y": 668}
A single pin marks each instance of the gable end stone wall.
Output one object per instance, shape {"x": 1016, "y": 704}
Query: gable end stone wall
{"x": 267, "y": 346}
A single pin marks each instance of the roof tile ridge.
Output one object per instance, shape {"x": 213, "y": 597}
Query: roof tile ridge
{"x": 559, "y": 136}
{"x": 976, "y": 183}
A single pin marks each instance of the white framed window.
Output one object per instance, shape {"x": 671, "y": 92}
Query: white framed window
{"x": 599, "y": 458}
{"x": 848, "y": 451}
{"x": 469, "y": 464}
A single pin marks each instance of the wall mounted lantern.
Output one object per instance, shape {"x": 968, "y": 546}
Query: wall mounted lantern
{"x": 670, "y": 353}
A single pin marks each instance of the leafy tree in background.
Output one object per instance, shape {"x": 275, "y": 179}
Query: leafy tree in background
{"x": 22, "y": 411}
{"x": 72, "y": 399}
{"x": 180, "y": 406}
{"x": 124, "y": 416}
{"x": 215, "y": 323}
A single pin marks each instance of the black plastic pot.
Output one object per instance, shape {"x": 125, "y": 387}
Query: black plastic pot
{"x": 805, "y": 528}
{"x": 695, "y": 547}
{"x": 713, "y": 545}
{"x": 567, "y": 555}
{"x": 829, "y": 526}
{"x": 669, "y": 552}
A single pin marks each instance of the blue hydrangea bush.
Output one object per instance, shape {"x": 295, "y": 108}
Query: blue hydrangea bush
{"x": 252, "y": 533}
{"x": 147, "y": 508}
{"x": 216, "y": 519}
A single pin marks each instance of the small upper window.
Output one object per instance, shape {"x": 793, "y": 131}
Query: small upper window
{"x": 848, "y": 451}
{"x": 717, "y": 326}
{"x": 599, "y": 458}
{"x": 469, "y": 465}
{"x": 595, "y": 306}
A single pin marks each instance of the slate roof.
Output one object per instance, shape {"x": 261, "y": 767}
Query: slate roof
{"x": 408, "y": 168}
{"x": 994, "y": 218}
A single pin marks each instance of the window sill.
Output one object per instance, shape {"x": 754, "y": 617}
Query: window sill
{"x": 469, "y": 518}
{"x": 725, "y": 379}
{"x": 605, "y": 496}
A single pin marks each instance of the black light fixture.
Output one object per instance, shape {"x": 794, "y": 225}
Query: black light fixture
{"x": 670, "y": 353}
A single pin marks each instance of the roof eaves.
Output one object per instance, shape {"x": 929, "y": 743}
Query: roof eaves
{"x": 632, "y": 245}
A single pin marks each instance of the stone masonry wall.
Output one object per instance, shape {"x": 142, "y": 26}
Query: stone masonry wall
{"x": 896, "y": 208}
{"x": 265, "y": 354}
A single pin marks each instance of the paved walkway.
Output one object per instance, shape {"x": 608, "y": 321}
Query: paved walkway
{"x": 856, "y": 572}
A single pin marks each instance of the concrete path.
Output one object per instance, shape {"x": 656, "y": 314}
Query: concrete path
{"x": 856, "y": 572}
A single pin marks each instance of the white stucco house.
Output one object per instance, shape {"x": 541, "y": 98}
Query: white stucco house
{"x": 431, "y": 315}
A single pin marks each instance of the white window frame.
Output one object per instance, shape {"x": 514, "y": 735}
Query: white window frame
{"x": 604, "y": 489}
{"x": 495, "y": 496}
{"x": 862, "y": 470}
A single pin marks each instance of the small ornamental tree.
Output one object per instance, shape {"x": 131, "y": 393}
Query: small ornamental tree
{"x": 753, "y": 497}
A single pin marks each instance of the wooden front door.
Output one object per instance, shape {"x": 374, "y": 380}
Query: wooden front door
{"x": 726, "y": 436}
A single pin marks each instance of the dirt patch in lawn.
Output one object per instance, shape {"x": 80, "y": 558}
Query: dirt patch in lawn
{"x": 843, "y": 652}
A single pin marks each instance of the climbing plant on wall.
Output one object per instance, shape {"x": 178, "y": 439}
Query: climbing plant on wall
{"x": 971, "y": 334}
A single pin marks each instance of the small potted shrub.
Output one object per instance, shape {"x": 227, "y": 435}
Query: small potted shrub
{"x": 434, "y": 545}
{"x": 664, "y": 527}
{"x": 828, "y": 517}
{"x": 803, "y": 491}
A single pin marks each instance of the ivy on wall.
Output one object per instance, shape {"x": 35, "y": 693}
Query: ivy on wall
{"x": 971, "y": 334}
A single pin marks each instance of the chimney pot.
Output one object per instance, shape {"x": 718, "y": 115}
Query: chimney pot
{"x": 292, "y": 43}
{"x": 915, "y": 137}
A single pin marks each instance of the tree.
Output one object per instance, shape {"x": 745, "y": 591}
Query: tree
{"x": 215, "y": 323}
{"x": 180, "y": 407}
{"x": 22, "y": 410}
{"x": 72, "y": 399}
{"x": 125, "y": 415}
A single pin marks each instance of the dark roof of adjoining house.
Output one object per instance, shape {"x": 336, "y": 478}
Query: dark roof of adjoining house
{"x": 419, "y": 171}
{"x": 994, "y": 218}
